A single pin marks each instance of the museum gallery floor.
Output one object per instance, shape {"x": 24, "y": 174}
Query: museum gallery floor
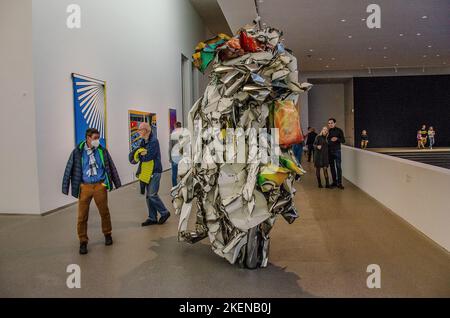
{"x": 325, "y": 255}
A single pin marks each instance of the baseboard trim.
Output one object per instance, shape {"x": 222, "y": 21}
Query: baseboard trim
{"x": 64, "y": 206}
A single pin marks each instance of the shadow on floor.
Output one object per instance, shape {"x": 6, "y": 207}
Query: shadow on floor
{"x": 183, "y": 270}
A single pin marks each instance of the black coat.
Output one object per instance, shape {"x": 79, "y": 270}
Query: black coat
{"x": 339, "y": 134}
{"x": 321, "y": 155}
{"x": 311, "y": 138}
{"x": 74, "y": 171}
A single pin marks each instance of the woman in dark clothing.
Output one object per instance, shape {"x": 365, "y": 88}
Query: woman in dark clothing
{"x": 321, "y": 157}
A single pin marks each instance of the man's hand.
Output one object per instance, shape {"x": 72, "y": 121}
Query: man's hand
{"x": 319, "y": 147}
{"x": 334, "y": 139}
{"x": 143, "y": 152}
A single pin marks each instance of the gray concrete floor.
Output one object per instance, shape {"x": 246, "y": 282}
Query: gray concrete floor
{"x": 325, "y": 253}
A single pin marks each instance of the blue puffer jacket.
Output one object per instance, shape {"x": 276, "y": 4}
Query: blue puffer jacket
{"x": 153, "y": 152}
{"x": 74, "y": 171}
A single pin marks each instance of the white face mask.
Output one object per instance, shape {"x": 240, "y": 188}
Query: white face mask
{"x": 95, "y": 143}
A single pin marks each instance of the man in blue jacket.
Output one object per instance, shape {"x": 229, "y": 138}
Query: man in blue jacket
{"x": 152, "y": 152}
{"x": 92, "y": 172}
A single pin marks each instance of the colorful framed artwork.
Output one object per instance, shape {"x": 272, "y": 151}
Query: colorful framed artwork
{"x": 135, "y": 118}
{"x": 172, "y": 118}
{"x": 89, "y": 97}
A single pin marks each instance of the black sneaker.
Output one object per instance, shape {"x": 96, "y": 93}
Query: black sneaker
{"x": 333, "y": 185}
{"x": 83, "y": 248}
{"x": 320, "y": 186}
{"x": 108, "y": 240}
{"x": 148, "y": 222}
{"x": 340, "y": 186}
{"x": 164, "y": 218}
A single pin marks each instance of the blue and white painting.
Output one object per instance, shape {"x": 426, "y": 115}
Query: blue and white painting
{"x": 89, "y": 106}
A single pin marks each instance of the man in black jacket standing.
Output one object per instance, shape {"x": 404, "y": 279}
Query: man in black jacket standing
{"x": 92, "y": 173}
{"x": 310, "y": 142}
{"x": 335, "y": 139}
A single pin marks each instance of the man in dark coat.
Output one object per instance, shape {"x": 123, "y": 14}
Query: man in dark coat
{"x": 311, "y": 137}
{"x": 335, "y": 139}
{"x": 91, "y": 172}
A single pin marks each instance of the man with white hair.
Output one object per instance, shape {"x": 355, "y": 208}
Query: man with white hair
{"x": 149, "y": 151}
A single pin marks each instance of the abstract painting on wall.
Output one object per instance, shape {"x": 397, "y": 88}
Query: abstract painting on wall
{"x": 172, "y": 118}
{"x": 89, "y": 96}
{"x": 135, "y": 119}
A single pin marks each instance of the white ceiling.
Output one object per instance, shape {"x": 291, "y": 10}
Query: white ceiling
{"x": 212, "y": 16}
{"x": 316, "y": 28}
{"x": 238, "y": 12}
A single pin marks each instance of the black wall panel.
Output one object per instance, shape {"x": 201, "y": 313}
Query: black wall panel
{"x": 392, "y": 109}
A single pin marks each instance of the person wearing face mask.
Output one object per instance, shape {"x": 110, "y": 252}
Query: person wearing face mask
{"x": 91, "y": 172}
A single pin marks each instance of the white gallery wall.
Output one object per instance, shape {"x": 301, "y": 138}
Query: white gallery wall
{"x": 303, "y": 106}
{"x": 134, "y": 45}
{"x": 349, "y": 113}
{"x": 18, "y": 156}
{"x": 325, "y": 101}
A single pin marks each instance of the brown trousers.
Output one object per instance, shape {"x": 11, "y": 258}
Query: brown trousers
{"x": 100, "y": 194}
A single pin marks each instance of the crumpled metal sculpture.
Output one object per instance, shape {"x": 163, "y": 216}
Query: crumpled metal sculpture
{"x": 238, "y": 193}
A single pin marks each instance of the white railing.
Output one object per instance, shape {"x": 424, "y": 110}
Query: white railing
{"x": 417, "y": 192}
